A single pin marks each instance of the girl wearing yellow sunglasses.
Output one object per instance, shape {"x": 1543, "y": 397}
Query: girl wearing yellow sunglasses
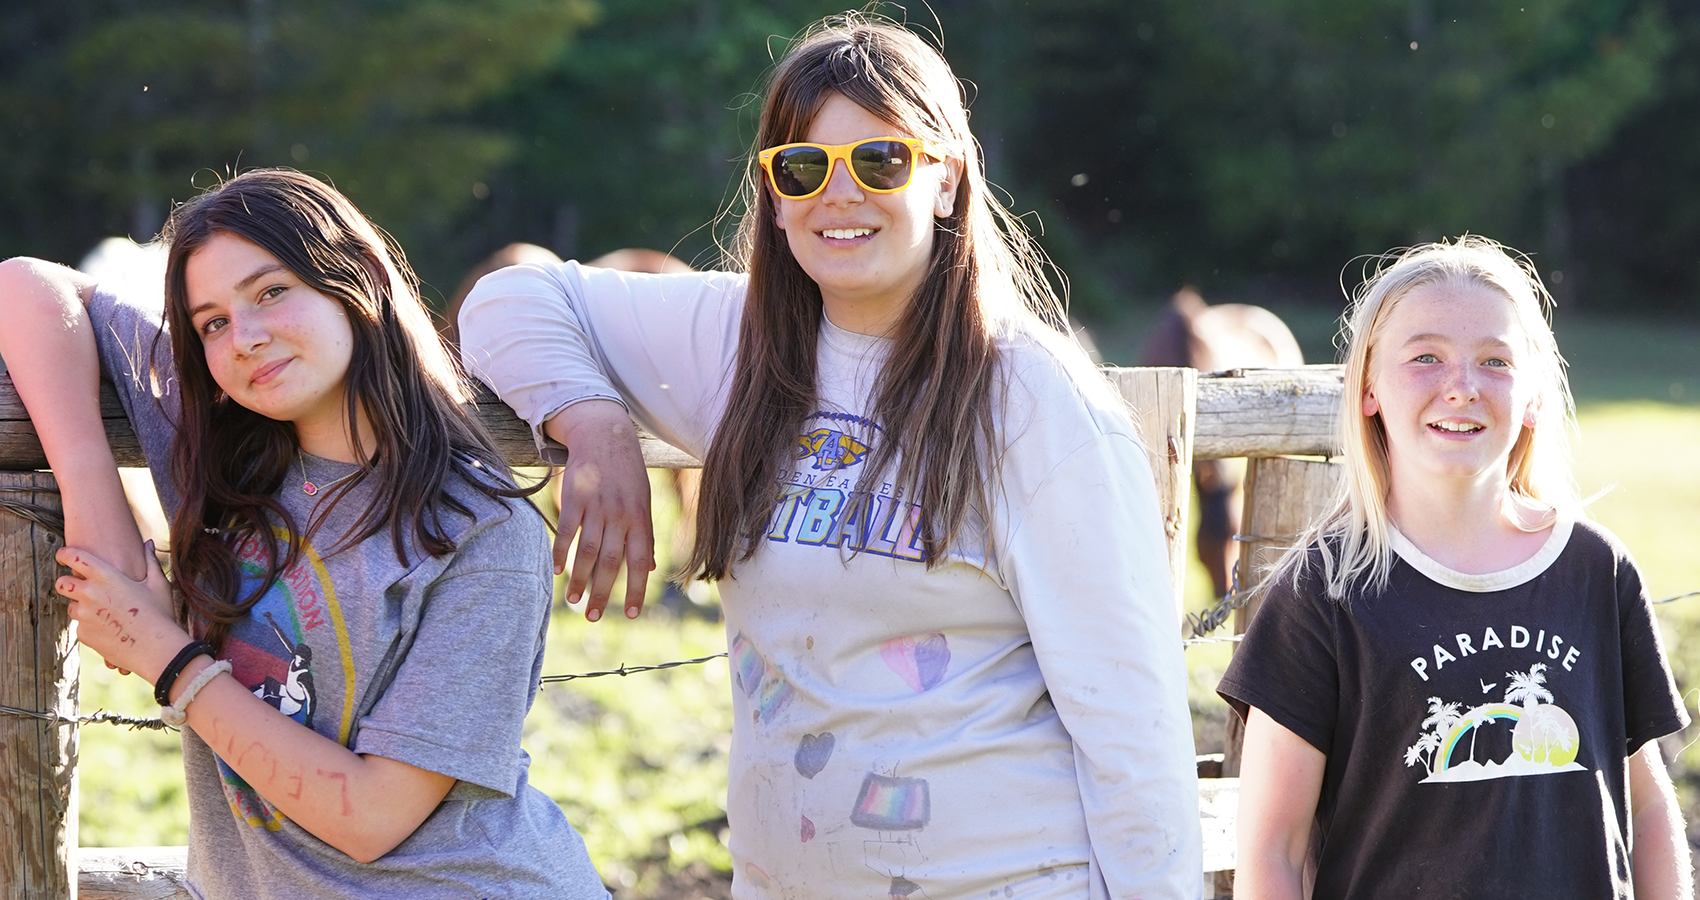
{"x": 883, "y": 165}
{"x": 953, "y": 647}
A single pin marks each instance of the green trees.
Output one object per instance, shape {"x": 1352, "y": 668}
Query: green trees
{"x": 1161, "y": 141}
{"x": 113, "y": 110}
{"x": 1289, "y": 137}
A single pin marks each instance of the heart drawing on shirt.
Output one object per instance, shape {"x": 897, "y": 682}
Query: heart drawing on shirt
{"x": 920, "y": 663}
{"x": 812, "y": 753}
{"x": 808, "y": 830}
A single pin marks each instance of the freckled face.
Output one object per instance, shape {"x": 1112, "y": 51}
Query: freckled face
{"x": 868, "y": 252}
{"x": 275, "y": 345}
{"x": 1447, "y": 379}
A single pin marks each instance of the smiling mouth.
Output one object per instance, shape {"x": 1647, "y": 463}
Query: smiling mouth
{"x": 267, "y": 373}
{"x": 1455, "y": 427}
{"x": 846, "y": 234}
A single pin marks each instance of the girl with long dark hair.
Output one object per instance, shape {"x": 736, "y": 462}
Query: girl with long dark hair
{"x": 952, "y": 631}
{"x": 361, "y": 590}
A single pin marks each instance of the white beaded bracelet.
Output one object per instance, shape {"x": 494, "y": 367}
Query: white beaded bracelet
{"x": 177, "y": 716}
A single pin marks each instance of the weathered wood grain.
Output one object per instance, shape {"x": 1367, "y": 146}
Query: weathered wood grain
{"x": 1162, "y": 403}
{"x": 1218, "y": 804}
{"x": 1244, "y": 412}
{"x": 38, "y": 672}
{"x": 1267, "y": 412}
{"x": 132, "y": 873}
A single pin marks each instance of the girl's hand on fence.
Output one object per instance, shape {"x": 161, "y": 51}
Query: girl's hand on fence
{"x": 605, "y": 503}
{"x": 128, "y": 622}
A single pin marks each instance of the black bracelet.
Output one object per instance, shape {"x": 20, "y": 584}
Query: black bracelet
{"x": 168, "y": 678}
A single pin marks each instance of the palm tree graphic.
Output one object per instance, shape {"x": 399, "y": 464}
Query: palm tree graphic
{"x": 1526, "y": 687}
{"x": 1476, "y": 718}
{"x": 1441, "y": 717}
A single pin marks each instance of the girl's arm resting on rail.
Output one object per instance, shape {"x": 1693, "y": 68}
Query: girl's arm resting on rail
{"x": 546, "y": 337}
{"x": 1659, "y": 859}
{"x": 1280, "y": 782}
{"x": 361, "y": 805}
{"x": 48, "y": 344}
{"x": 553, "y": 341}
{"x": 605, "y": 500}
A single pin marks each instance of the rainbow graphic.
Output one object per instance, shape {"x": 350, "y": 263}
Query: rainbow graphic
{"x": 887, "y": 803}
{"x": 761, "y": 681}
{"x": 1487, "y": 713}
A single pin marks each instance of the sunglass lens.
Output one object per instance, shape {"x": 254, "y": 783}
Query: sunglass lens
{"x": 882, "y": 165}
{"x": 798, "y": 171}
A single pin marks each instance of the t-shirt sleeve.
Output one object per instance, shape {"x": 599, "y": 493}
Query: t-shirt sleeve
{"x": 1087, "y": 563}
{"x": 1652, "y": 706}
{"x": 135, "y": 355}
{"x": 459, "y": 697}
{"x": 1287, "y": 664}
{"x": 546, "y": 337}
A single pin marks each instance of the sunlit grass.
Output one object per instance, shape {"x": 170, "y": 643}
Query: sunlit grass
{"x": 130, "y": 782}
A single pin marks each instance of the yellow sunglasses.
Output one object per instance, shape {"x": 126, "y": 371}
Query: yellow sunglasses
{"x": 883, "y": 165}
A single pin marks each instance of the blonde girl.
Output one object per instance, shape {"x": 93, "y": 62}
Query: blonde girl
{"x": 1454, "y": 684}
{"x": 953, "y": 642}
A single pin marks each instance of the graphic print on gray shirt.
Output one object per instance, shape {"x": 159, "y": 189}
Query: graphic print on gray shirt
{"x": 432, "y": 662}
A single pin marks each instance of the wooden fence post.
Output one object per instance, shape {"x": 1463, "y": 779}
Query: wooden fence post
{"x": 1164, "y": 406}
{"x": 1282, "y": 497}
{"x": 38, "y": 673}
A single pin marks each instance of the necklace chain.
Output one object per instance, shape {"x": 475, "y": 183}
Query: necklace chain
{"x": 307, "y": 485}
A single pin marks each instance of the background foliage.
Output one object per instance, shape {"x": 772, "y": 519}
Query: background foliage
{"x": 1246, "y": 146}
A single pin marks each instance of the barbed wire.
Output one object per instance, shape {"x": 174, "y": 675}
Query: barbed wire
{"x": 1200, "y": 625}
{"x": 1203, "y": 623}
{"x": 102, "y": 717}
{"x": 40, "y": 516}
{"x": 98, "y": 717}
{"x": 625, "y": 670}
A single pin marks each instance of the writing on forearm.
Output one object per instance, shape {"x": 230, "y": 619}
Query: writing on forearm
{"x": 253, "y": 747}
{"x": 347, "y": 807}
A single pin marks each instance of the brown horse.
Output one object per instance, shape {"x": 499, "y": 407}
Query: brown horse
{"x": 1209, "y": 338}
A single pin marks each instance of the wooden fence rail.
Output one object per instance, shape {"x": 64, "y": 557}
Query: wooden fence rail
{"x": 1242, "y": 412}
{"x": 1182, "y": 416}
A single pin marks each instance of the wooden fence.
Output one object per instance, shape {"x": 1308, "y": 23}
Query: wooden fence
{"x": 1260, "y": 413}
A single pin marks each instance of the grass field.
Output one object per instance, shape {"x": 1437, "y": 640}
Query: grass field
{"x": 639, "y": 762}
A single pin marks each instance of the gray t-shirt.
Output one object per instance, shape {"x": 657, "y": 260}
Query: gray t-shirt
{"x": 433, "y": 663}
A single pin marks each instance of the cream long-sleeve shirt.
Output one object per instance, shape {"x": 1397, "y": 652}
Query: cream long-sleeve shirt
{"x": 1013, "y": 721}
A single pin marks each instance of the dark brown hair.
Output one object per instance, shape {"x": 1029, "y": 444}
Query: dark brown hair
{"x": 933, "y": 401}
{"x": 228, "y": 461}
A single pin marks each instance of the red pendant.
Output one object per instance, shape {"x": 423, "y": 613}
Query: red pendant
{"x": 309, "y": 488}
